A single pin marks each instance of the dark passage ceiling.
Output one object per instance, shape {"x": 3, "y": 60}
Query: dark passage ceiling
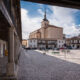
{"x": 63, "y": 3}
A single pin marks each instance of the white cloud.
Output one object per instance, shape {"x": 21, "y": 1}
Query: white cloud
{"x": 29, "y": 24}
{"x": 40, "y": 11}
{"x": 64, "y": 17}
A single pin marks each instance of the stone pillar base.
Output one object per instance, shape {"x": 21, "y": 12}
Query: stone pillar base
{"x": 11, "y": 69}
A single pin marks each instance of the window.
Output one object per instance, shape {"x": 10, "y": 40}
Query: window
{"x": 59, "y": 41}
{"x": 71, "y": 41}
{"x": 74, "y": 41}
{"x": 79, "y": 41}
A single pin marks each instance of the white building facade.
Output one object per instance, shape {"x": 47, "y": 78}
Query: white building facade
{"x": 73, "y": 42}
{"x": 45, "y": 43}
{"x": 32, "y": 43}
{"x": 60, "y": 43}
{"x": 3, "y": 47}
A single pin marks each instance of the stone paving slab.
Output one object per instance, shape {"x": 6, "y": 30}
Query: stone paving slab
{"x": 34, "y": 65}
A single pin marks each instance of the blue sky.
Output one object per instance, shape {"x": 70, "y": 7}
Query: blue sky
{"x": 32, "y": 15}
{"x": 33, "y": 7}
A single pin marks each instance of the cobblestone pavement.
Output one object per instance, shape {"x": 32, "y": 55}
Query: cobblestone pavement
{"x": 36, "y": 66}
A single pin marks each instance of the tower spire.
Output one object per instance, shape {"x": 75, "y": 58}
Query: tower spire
{"x": 45, "y": 21}
{"x": 45, "y": 14}
{"x": 45, "y": 18}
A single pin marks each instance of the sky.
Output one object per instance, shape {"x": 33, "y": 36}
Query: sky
{"x": 33, "y": 13}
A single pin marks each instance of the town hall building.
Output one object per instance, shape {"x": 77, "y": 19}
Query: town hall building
{"x": 48, "y": 36}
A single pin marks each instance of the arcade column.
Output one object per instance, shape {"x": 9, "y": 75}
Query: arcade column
{"x": 11, "y": 62}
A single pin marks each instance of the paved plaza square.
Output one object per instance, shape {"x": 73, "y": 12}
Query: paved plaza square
{"x": 34, "y": 65}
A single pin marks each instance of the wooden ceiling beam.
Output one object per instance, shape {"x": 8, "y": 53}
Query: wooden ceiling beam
{"x": 63, "y": 3}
